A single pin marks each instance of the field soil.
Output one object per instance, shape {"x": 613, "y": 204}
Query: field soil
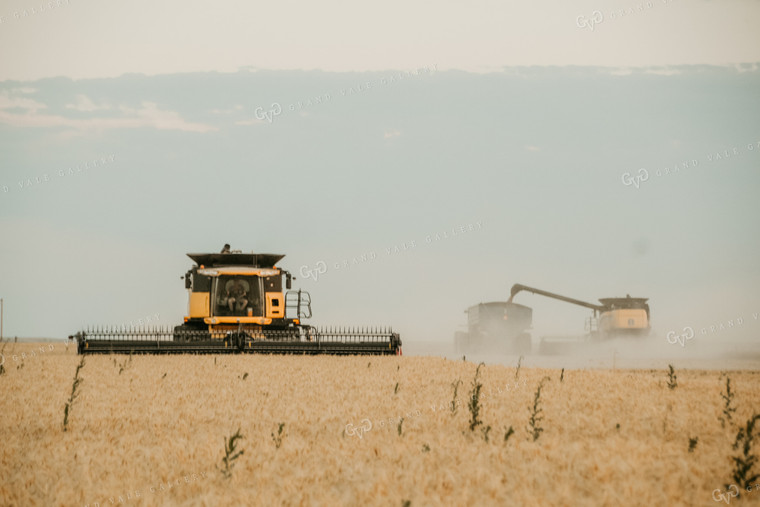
{"x": 151, "y": 430}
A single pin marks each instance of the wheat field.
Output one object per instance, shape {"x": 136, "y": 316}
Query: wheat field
{"x": 153, "y": 430}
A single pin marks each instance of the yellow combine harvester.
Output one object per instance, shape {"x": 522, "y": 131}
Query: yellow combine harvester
{"x": 237, "y": 304}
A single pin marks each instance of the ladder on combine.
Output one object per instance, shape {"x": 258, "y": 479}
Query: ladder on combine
{"x": 592, "y": 326}
{"x": 300, "y": 301}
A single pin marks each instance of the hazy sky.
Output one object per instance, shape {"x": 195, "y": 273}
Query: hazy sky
{"x": 90, "y": 38}
{"x": 132, "y": 133}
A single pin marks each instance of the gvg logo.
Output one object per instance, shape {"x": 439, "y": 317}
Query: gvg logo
{"x": 584, "y": 22}
{"x": 637, "y": 180}
{"x": 359, "y": 431}
{"x": 688, "y": 334}
{"x": 261, "y": 114}
{"x": 731, "y": 492}
{"x": 319, "y": 269}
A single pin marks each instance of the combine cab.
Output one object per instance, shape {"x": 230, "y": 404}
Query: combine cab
{"x": 237, "y": 304}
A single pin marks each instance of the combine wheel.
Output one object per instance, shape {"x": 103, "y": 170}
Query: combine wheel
{"x": 238, "y": 339}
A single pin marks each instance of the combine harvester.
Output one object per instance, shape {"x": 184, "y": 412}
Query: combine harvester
{"x": 504, "y": 327}
{"x": 613, "y": 318}
{"x": 237, "y": 305}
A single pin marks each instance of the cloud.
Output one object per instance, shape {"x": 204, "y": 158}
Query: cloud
{"x": 24, "y": 112}
{"x": 746, "y": 67}
{"x": 620, "y": 71}
{"x": 150, "y": 115}
{"x": 83, "y": 103}
{"x": 658, "y": 70}
{"x": 664, "y": 71}
{"x": 252, "y": 121}
{"x": 8, "y": 101}
{"x": 235, "y": 109}
{"x": 391, "y": 133}
{"x": 533, "y": 148}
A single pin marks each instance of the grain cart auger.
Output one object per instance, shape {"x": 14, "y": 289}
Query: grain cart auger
{"x": 612, "y": 318}
{"x": 237, "y": 305}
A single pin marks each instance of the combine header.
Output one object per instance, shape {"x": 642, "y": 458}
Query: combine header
{"x": 237, "y": 305}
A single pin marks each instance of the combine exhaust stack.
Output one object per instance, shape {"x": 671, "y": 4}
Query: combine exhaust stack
{"x": 237, "y": 306}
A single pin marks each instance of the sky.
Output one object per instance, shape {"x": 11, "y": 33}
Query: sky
{"x": 410, "y": 159}
{"x": 94, "y": 39}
